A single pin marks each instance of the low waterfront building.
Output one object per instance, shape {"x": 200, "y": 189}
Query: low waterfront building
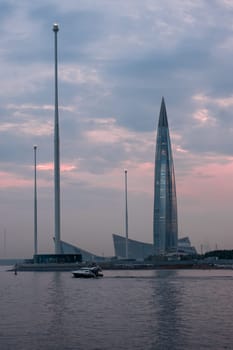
{"x": 67, "y": 248}
{"x": 136, "y": 250}
{"x": 141, "y": 250}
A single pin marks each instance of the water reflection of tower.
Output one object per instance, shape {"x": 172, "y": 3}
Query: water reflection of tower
{"x": 4, "y": 243}
{"x": 167, "y": 302}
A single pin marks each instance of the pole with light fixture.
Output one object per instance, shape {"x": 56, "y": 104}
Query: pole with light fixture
{"x": 126, "y": 219}
{"x": 56, "y": 154}
{"x": 35, "y": 202}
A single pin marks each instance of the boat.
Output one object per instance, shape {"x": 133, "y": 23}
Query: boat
{"x": 88, "y": 272}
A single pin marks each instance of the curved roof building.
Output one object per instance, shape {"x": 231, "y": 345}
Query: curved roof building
{"x": 136, "y": 250}
{"x": 67, "y": 248}
{"x": 141, "y": 250}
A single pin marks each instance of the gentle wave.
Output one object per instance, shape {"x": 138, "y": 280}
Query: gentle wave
{"x": 149, "y": 310}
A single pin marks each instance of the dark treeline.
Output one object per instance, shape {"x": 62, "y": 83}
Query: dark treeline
{"x": 221, "y": 254}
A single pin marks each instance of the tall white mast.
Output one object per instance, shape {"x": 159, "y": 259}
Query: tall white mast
{"x": 126, "y": 219}
{"x": 56, "y": 154}
{"x": 35, "y": 202}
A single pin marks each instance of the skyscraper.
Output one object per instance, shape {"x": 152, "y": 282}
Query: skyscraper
{"x": 165, "y": 226}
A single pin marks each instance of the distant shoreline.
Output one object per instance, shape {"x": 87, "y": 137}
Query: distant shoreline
{"x": 22, "y": 266}
{"x": 8, "y": 262}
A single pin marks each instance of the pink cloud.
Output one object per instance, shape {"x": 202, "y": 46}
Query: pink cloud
{"x": 11, "y": 180}
{"x": 140, "y": 177}
{"x": 219, "y": 101}
{"x": 212, "y": 181}
{"x": 50, "y": 166}
{"x": 107, "y": 131}
{"x": 203, "y": 117}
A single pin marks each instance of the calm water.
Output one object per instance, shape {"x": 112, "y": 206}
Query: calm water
{"x": 124, "y": 310}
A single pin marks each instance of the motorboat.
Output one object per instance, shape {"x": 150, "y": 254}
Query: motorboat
{"x": 88, "y": 272}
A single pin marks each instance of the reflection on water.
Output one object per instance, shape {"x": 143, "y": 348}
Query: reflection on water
{"x": 149, "y": 310}
{"x": 167, "y": 301}
{"x": 56, "y": 308}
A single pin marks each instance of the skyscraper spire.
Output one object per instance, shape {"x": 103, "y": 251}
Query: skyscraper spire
{"x": 165, "y": 227}
{"x": 163, "y": 115}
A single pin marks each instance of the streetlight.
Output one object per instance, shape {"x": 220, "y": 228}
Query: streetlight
{"x": 57, "y": 224}
{"x": 126, "y": 219}
{"x": 35, "y": 202}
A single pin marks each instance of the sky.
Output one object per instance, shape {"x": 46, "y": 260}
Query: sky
{"x": 116, "y": 59}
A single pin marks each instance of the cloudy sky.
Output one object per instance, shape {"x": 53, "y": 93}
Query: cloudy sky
{"x": 116, "y": 61}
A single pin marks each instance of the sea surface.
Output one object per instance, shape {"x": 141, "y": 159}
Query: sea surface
{"x": 161, "y": 309}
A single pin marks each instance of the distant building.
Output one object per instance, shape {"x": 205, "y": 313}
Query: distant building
{"x": 64, "y": 258}
{"x": 136, "y": 250}
{"x": 140, "y": 250}
{"x": 185, "y": 248}
{"x": 67, "y": 248}
{"x": 165, "y": 226}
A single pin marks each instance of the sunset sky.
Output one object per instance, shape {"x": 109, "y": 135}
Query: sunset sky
{"x": 116, "y": 61}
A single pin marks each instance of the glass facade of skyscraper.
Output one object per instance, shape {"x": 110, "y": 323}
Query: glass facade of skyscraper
{"x": 165, "y": 226}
